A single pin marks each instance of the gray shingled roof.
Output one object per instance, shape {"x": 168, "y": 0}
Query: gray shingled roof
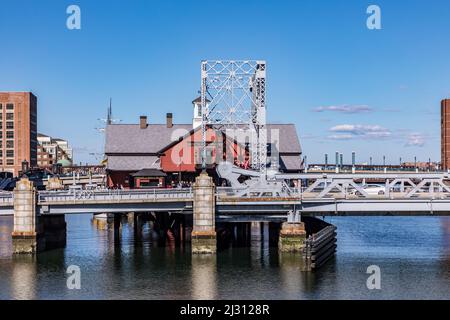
{"x": 131, "y": 139}
{"x": 132, "y": 163}
{"x": 290, "y": 162}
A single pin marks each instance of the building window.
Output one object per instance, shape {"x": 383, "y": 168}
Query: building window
{"x": 1, "y": 125}
{"x": 1, "y": 133}
{"x": 1, "y": 106}
{"x": 10, "y": 134}
{"x": 1, "y": 144}
{"x": 9, "y": 124}
{"x": 10, "y": 144}
{"x": 1, "y": 116}
{"x": 9, "y": 162}
{"x": 1, "y": 153}
{"x": 10, "y": 153}
{"x": 10, "y": 116}
{"x": 9, "y": 106}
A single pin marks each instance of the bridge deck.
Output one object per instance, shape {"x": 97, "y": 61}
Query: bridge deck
{"x": 181, "y": 200}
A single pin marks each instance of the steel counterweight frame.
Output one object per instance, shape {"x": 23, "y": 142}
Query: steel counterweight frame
{"x": 236, "y": 92}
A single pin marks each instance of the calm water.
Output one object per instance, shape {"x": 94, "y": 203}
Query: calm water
{"x": 413, "y": 254}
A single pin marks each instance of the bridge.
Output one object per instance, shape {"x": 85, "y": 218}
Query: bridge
{"x": 324, "y": 194}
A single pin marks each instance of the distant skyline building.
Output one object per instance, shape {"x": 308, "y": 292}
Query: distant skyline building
{"x": 18, "y": 130}
{"x": 52, "y": 151}
{"x": 445, "y": 134}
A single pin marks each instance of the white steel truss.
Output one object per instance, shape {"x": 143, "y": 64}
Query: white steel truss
{"x": 233, "y": 97}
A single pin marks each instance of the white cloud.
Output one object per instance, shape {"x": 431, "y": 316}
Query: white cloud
{"x": 345, "y": 108}
{"x": 415, "y": 140}
{"x": 341, "y": 137}
{"x": 350, "y": 131}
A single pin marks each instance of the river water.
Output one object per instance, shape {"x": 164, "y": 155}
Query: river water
{"x": 413, "y": 255}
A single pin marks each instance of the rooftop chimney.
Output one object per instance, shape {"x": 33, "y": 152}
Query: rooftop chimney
{"x": 143, "y": 122}
{"x": 169, "y": 120}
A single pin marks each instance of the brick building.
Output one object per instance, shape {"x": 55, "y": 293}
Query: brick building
{"x": 52, "y": 151}
{"x": 445, "y": 134}
{"x": 18, "y": 130}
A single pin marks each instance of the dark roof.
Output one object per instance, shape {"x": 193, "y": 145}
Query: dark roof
{"x": 149, "y": 173}
{"x": 131, "y": 139}
{"x": 132, "y": 163}
{"x": 199, "y": 99}
{"x": 290, "y": 162}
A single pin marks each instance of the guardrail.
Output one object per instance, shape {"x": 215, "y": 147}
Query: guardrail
{"x": 113, "y": 195}
{"x": 6, "y": 198}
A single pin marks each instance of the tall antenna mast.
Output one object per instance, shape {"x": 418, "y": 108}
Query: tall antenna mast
{"x": 109, "y": 116}
{"x": 109, "y": 120}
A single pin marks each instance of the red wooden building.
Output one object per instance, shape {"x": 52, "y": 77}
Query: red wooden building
{"x": 175, "y": 150}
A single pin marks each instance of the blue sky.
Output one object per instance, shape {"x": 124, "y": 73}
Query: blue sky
{"x": 347, "y": 88}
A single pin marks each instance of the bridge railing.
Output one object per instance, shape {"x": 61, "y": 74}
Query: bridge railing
{"x": 113, "y": 195}
{"x": 6, "y": 198}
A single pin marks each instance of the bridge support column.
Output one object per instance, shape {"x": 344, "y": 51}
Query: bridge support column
{"x": 27, "y": 236}
{"x": 203, "y": 236}
{"x": 117, "y": 228}
{"x": 292, "y": 237}
{"x": 256, "y": 231}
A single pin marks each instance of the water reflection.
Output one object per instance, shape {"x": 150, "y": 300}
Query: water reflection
{"x": 203, "y": 273}
{"x": 23, "y": 278}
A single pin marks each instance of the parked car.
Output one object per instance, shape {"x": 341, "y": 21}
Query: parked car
{"x": 372, "y": 189}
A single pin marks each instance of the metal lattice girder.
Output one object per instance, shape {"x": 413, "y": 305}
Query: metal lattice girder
{"x": 342, "y": 185}
{"x": 429, "y": 184}
{"x": 233, "y": 96}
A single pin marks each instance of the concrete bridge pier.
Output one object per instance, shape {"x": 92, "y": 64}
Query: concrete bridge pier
{"x": 203, "y": 236}
{"x": 292, "y": 237}
{"x": 28, "y": 233}
{"x": 292, "y": 234}
{"x": 34, "y": 233}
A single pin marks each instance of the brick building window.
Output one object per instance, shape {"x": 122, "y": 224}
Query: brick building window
{"x": 10, "y": 134}
{"x": 10, "y": 116}
{"x": 9, "y": 162}
{"x": 10, "y": 153}
{"x": 9, "y": 106}
{"x": 9, "y": 125}
{"x": 10, "y": 144}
